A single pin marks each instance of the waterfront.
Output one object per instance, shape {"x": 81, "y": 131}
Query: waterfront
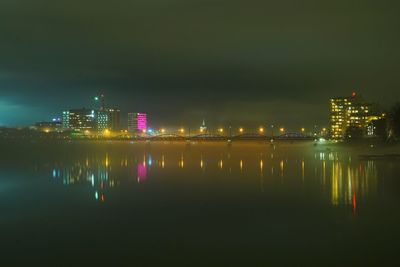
{"x": 200, "y": 204}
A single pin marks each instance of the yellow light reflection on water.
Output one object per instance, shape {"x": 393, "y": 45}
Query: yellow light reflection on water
{"x": 107, "y": 162}
{"x": 342, "y": 182}
{"x": 181, "y": 162}
{"x": 221, "y": 164}
{"x": 336, "y": 181}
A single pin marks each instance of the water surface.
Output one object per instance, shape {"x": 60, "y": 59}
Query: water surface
{"x": 203, "y": 204}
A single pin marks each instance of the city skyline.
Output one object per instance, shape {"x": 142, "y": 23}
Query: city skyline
{"x": 99, "y": 103}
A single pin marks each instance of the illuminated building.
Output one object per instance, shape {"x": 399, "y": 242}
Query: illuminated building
{"x": 89, "y": 119}
{"x": 112, "y": 114}
{"x": 79, "y": 119}
{"x": 102, "y": 121}
{"x": 137, "y": 122}
{"x": 350, "y": 113}
{"x": 65, "y": 120}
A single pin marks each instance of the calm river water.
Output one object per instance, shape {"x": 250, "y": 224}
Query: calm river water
{"x": 203, "y": 204}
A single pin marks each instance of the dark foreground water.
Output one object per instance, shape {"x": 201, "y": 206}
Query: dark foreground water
{"x": 207, "y": 204}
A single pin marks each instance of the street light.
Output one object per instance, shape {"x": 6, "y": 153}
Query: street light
{"x": 241, "y": 130}
{"x": 303, "y": 130}
{"x": 261, "y": 130}
{"x": 162, "y": 130}
{"x": 181, "y": 130}
{"x": 221, "y": 130}
{"x": 282, "y": 130}
{"x": 106, "y": 132}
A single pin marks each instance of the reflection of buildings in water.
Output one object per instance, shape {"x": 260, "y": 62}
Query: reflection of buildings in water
{"x": 107, "y": 162}
{"x": 323, "y": 172}
{"x": 181, "y": 162}
{"x": 141, "y": 172}
{"x": 337, "y": 178}
{"x": 163, "y": 161}
{"x": 282, "y": 167}
{"x": 346, "y": 182}
{"x": 98, "y": 173}
{"x": 351, "y": 182}
{"x": 221, "y": 164}
{"x": 261, "y": 175}
{"x": 78, "y": 173}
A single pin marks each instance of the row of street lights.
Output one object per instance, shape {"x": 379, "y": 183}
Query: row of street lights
{"x": 241, "y": 130}
{"x": 221, "y": 131}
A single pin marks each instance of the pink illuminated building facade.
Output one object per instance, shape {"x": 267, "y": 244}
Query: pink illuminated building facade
{"x": 137, "y": 122}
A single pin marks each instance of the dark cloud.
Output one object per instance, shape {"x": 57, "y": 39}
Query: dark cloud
{"x": 182, "y": 60}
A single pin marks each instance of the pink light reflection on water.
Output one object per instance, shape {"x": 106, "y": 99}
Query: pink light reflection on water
{"x": 142, "y": 172}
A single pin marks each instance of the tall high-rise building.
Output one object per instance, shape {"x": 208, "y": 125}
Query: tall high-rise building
{"x": 137, "y": 122}
{"x": 346, "y": 112}
{"x": 102, "y": 120}
{"x": 108, "y": 118}
{"x": 114, "y": 119}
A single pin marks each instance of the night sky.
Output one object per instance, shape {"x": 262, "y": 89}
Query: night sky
{"x": 231, "y": 62}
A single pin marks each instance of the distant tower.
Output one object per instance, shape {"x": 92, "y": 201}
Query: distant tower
{"x": 100, "y": 99}
{"x": 103, "y": 104}
{"x": 203, "y": 127}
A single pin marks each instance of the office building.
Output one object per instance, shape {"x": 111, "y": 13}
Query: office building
{"x": 114, "y": 119}
{"x": 79, "y": 119}
{"x": 137, "y": 122}
{"x": 102, "y": 121}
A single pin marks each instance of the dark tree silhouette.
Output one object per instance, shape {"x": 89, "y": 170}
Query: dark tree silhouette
{"x": 353, "y": 133}
{"x": 395, "y": 122}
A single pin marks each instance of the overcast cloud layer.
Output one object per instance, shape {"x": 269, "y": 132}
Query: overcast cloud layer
{"x": 230, "y": 62}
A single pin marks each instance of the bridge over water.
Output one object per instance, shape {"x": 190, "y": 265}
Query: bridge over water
{"x": 218, "y": 137}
